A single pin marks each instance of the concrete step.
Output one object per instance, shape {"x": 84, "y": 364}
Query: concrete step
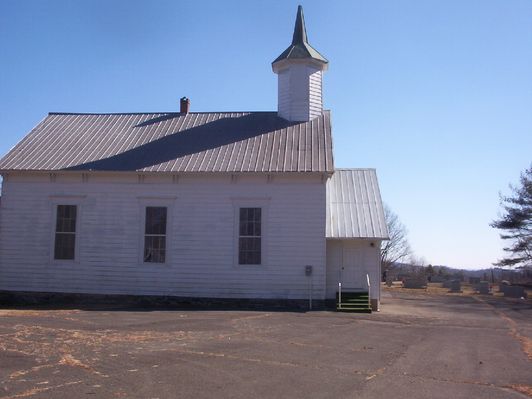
{"x": 354, "y": 309}
{"x": 353, "y": 301}
{"x": 368, "y": 311}
{"x": 365, "y": 303}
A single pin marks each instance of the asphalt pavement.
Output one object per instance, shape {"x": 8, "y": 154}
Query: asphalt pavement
{"x": 418, "y": 346}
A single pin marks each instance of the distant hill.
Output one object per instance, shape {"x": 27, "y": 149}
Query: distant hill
{"x": 489, "y": 274}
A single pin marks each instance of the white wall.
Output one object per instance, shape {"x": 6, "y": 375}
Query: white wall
{"x": 300, "y": 92}
{"x": 201, "y": 235}
{"x": 315, "y": 93}
{"x": 336, "y": 252}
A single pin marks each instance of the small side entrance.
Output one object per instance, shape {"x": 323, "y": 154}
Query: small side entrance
{"x": 353, "y": 269}
{"x": 353, "y": 293}
{"x": 350, "y": 262}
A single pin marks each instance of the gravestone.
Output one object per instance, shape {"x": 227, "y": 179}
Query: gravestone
{"x": 503, "y": 284}
{"x": 484, "y": 288}
{"x": 514, "y": 291}
{"x": 474, "y": 280}
{"x": 456, "y": 286}
{"x": 447, "y": 284}
{"x": 415, "y": 282}
{"x": 438, "y": 279}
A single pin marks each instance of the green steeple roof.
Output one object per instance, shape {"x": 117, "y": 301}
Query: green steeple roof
{"x": 300, "y": 48}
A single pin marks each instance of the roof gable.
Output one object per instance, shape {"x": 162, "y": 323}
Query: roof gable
{"x": 174, "y": 142}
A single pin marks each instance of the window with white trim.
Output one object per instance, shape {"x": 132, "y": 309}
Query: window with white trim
{"x": 155, "y": 234}
{"x": 65, "y": 232}
{"x": 250, "y": 236}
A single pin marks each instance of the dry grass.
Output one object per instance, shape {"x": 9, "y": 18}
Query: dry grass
{"x": 526, "y": 389}
{"x": 432, "y": 289}
{"x": 438, "y": 289}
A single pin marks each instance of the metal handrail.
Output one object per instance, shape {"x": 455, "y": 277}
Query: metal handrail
{"x": 339, "y": 295}
{"x": 369, "y": 290}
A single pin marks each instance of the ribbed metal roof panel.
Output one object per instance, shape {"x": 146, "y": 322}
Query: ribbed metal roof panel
{"x": 173, "y": 142}
{"x": 354, "y": 205}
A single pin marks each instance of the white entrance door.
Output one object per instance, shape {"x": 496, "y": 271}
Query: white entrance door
{"x": 353, "y": 271}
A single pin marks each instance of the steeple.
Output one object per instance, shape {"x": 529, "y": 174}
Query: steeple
{"x": 300, "y": 48}
{"x": 300, "y": 33}
{"x": 299, "y": 69}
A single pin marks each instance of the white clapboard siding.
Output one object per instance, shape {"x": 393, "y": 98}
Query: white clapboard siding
{"x": 300, "y": 92}
{"x": 201, "y": 236}
{"x": 283, "y": 94}
{"x": 315, "y": 94}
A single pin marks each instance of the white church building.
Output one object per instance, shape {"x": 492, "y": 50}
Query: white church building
{"x": 229, "y": 205}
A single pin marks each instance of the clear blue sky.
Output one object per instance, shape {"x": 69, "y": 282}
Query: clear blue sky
{"x": 436, "y": 95}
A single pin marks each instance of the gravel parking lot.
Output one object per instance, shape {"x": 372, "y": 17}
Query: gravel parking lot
{"x": 418, "y": 346}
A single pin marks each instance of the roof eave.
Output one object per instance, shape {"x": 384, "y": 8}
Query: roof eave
{"x": 147, "y": 172}
{"x": 283, "y": 63}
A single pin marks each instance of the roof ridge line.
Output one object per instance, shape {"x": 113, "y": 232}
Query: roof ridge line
{"x": 335, "y": 169}
{"x": 159, "y": 112}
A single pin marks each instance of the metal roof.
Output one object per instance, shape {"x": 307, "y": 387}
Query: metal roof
{"x": 354, "y": 205}
{"x": 300, "y": 48}
{"x": 174, "y": 142}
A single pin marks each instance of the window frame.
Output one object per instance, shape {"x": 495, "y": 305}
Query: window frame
{"x": 68, "y": 249}
{"x": 249, "y": 237}
{"x": 144, "y": 203}
{"x": 69, "y": 201}
{"x": 147, "y": 235}
{"x": 263, "y": 204}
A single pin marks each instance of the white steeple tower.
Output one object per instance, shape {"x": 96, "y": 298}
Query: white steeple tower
{"x": 299, "y": 69}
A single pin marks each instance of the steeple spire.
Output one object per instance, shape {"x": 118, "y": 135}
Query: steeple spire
{"x": 300, "y": 33}
{"x": 300, "y": 48}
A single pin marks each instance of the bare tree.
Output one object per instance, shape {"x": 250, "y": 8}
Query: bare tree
{"x": 417, "y": 266}
{"x": 418, "y": 261}
{"x": 397, "y": 247}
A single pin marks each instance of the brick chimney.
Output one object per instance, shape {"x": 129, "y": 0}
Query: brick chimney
{"x": 184, "y": 105}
